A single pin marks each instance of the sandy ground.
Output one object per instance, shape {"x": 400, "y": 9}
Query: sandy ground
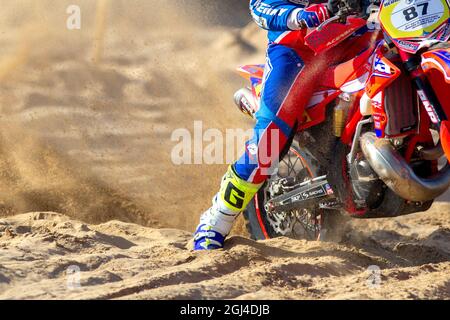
{"x": 86, "y": 119}
{"x": 117, "y": 260}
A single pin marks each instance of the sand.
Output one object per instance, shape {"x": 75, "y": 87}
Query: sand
{"x": 118, "y": 260}
{"x": 86, "y": 119}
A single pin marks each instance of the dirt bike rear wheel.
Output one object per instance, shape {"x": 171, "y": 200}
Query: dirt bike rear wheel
{"x": 299, "y": 224}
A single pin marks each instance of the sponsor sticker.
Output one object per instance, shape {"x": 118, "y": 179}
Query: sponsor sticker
{"x": 413, "y": 18}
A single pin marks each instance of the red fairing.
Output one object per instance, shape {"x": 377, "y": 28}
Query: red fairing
{"x": 436, "y": 65}
{"x": 445, "y": 138}
{"x": 333, "y": 34}
{"x": 438, "y": 60}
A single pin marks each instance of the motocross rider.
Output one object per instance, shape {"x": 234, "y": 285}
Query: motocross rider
{"x": 287, "y": 71}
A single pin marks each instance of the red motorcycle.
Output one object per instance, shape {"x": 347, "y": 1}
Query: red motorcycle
{"x": 375, "y": 140}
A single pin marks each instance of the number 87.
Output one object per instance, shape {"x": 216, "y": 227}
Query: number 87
{"x": 411, "y": 12}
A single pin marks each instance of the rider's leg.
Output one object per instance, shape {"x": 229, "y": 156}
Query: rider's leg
{"x": 275, "y": 122}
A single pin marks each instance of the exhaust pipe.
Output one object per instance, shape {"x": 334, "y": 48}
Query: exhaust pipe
{"x": 395, "y": 172}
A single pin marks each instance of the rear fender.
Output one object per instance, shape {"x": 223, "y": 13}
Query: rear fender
{"x": 254, "y": 74}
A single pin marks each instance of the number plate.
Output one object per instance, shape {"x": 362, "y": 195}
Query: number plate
{"x": 413, "y": 18}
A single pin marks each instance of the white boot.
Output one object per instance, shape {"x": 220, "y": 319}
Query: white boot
{"x": 215, "y": 224}
{"x": 217, "y": 221}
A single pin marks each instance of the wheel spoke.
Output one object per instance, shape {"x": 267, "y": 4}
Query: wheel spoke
{"x": 293, "y": 220}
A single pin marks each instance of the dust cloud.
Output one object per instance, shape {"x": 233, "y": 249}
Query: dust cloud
{"x": 86, "y": 118}
{"x": 87, "y": 115}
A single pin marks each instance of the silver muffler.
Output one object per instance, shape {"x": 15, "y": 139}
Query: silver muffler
{"x": 395, "y": 172}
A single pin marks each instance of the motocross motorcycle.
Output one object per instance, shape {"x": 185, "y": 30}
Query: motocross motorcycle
{"x": 375, "y": 142}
